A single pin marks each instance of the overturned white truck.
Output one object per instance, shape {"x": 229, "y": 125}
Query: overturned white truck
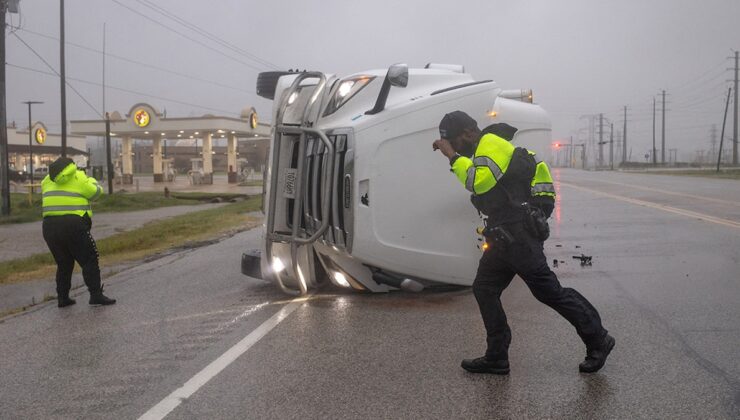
{"x": 354, "y": 193}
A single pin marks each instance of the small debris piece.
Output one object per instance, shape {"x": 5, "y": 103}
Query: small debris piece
{"x": 554, "y": 263}
{"x": 585, "y": 259}
{"x": 578, "y": 246}
{"x": 558, "y": 246}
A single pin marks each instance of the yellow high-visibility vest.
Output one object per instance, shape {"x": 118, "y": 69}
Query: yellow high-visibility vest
{"x": 542, "y": 182}
{"x": 488, "y": 165}
{"x": 70, "y": 192}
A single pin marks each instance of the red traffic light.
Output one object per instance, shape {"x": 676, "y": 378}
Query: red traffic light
{"x": 556, "y": 145}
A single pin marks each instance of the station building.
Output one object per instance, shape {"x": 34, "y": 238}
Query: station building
{"x": 151, "y": 142}
{"x": 43, "y": 147}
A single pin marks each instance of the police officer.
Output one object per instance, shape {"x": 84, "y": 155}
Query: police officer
{"x": 515, "y": 193}
{"x": 66, "y": 195}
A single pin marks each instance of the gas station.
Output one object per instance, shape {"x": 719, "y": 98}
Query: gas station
{"x": 145, "y": 122}
{"x": 39, "y": 148}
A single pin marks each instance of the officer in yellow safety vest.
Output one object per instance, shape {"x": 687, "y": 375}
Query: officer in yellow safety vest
{"x": 66, "y": 195}
{"x": 516, "y": 195}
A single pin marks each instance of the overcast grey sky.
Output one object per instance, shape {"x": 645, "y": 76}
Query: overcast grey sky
{"x": 579, "y": 56}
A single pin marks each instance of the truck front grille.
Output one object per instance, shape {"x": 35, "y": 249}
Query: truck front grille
{"x": 317, "y": 160}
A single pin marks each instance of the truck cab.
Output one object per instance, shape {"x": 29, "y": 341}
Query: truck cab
{"x": 354, "y": 193}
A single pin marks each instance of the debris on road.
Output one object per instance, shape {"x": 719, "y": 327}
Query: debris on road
{"x": 585, "y": 259}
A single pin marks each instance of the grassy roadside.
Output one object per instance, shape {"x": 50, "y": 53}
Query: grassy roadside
{"x": 733, "y": 173}
{"x": 22, "y": 211}
{"x": 152, "y": 238}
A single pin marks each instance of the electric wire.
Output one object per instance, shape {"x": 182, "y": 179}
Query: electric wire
{"x": 134, "y": 11}
{"x": 143, "y": 64}
{"x": 697, "y": 78}
{"x": 205, "y": 33}
{"x": 57, "y": 74}
{"x": 148, "y": 95}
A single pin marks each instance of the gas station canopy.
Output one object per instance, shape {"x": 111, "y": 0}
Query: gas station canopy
{"x": 144, "y": 122}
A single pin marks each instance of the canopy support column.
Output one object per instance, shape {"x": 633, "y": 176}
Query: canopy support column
{"x": 157, "y": 160}
{"x": 231, "y": 159}
{"x": 127, "y": 163}
{"x": 208, "y": 158}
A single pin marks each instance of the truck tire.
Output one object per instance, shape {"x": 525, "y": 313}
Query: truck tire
{"x": 267, "y": 82}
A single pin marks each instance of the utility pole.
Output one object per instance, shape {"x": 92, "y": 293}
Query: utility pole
{"x": 624, "y": 137}
{"x": 571, "y": 163}
{"x": 104, "y": 110}
{"x": 734, "y": 129}
{"x": 30, "y": 141}
{"x": 109, "y": 164}
{"x": 62, "y": 75}
{"x": 611, "y": 147}
{"x": 722, "y": 136}
{"x": 4, "y": 165}
{"x": 662, "y": 140}
{"x": 713, "y": 141}
{"x": 654, "y": 151}
{"x": 601, "y": 139}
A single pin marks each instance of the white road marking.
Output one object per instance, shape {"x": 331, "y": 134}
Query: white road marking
{"x": 663, "y": 207}
{"x": 165, "y": 407}
{"x": 692, "y": 196}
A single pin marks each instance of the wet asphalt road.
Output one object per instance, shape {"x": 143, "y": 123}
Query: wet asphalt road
{"x": 665, "y": 277}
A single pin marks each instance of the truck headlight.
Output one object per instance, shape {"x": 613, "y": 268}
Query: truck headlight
{"x": 346, "y": 89}
{"x": 277, "y": 265}
{"x": 340, "y": 279}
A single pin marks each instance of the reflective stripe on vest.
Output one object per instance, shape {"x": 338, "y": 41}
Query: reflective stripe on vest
{"x": 486, "y": 161}
{"x": 63, "y": 194}
{"x": 65, "y": 208}
{"x": 470, "y": 180}
{"x": 543, "y": 188}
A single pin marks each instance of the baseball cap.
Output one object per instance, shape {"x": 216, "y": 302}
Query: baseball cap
{"x": 58, "y": 166}
{"x": 454, "y": 123}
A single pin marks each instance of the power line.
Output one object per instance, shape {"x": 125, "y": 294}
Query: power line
{"x": 148, "y": 95}
{"x": 140, "y": 63}
{"x": 57, "y": 74}
{"x": 697, "y": 78}
{"x": 206, "y": 34}
{"x": 134, "y": 11}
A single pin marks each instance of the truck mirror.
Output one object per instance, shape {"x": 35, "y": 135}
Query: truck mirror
{"x": 398, "y": 75}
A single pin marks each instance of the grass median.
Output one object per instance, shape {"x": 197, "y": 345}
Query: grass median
{"x": 150, "y": 239}
{"x": 22, "y": 211}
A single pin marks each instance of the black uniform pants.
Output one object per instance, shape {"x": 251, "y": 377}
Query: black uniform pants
{"x": 526, "y": 258}
{"x": 69, "y": 240}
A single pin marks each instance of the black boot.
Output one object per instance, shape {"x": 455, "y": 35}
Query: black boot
{"x": 63, "y": 301}
{"x": 596, "y": 356}
{"x": 98, "y": 298}
{"x": 483, "y": 365}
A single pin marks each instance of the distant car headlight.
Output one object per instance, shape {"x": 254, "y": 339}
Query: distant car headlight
{"x": 346, "y": 89}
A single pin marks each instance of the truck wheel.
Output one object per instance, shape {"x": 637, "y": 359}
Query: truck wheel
{"x": 267, "y": 82}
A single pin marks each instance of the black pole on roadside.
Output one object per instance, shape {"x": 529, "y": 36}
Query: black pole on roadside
{"x": 30, "y": 141}
{"x": 4, "y": 164}
{"x": 722, "y": 136}
{"x": 109, "y": 164}
{"x": 62, "y": 76}
{"x": 571, "y": 156}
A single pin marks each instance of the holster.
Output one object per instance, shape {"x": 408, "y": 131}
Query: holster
{"x": 535, "y": 222}
{"x": 498, "y": 236}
